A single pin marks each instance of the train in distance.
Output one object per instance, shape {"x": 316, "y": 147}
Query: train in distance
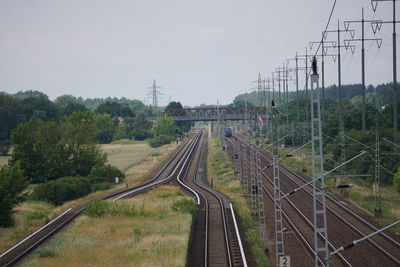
{"x": 228, "y": 132}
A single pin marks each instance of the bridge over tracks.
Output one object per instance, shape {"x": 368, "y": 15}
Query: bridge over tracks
{"x": 213, "y": 114}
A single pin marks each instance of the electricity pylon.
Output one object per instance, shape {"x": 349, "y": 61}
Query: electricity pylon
{"x": 395, "y": 93}
{"x": 362, "y": 40}
{"x": 340, "y": 104}
{"x": 154, "y": 93}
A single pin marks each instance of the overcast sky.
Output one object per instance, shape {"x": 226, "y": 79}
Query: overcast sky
{"x": 198, "y": 51}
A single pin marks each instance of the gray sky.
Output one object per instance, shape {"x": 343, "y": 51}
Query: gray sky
{"x": 198, "y": 51}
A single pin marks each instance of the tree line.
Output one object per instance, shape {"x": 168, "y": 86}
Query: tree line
{"x": 55, "y": 144}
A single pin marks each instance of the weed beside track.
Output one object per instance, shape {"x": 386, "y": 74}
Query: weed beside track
{"x": 143, "y": 231}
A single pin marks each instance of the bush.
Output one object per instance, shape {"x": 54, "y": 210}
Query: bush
{"x": 63, "y": 189}
{"x": 101, "y": 186}
{"x": 104, "y": 208}
{"x": 46, "y": 252}
{"x": 160, "y": 140}
{"x": 96, "y": 209}
{"x": 12, "y": 184}
{"x": 37, "y": 215}
{"x": 184, "y": 206}
{"x": 101, "y": 173}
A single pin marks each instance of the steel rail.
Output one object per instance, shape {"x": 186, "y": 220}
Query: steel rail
{"x": 163, "y": 180}
{"x": 302, "y": 237}
{"x": 351, "y": 226}
{"x": 222, "y": 214}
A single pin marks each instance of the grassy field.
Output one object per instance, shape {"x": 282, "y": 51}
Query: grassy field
{"x": 124, "y": 155}
{"x": 221, "y": 175}
{"x": 142, "y": 231}
{"x": 362, "y": 195}
{"x": 32, "y": 215}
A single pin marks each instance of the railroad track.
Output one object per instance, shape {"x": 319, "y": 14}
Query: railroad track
{"x": 163, "y": 174}
{"x": 300, "y": 245}
{"x": 215, "y": 237}
{"x": 381, "y": 250}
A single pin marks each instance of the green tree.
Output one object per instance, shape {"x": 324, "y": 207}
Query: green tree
{"x": 115, "y": 109}
{"x": 68, "y": 104}
{"x": 138, "y": 127}
{"x": 12, "y": 183}
{"x": 106, "y": 127}
{"x": 10, "y": 116}
{"x": 182, "y": 126}
{"x": 35, "y": 144}
{"x": 49, "y": 150}
{"x": 38, "y": 107}
{"x": 79, "y": 131}
{"x": 165, "y": 126}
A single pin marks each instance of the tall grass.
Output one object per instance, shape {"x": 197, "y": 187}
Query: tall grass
{"x": 142, "y": 231}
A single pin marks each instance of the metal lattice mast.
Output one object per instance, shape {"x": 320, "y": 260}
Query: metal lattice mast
{"x": 260, "y": 95}
{"x": 273, "y": 85}
{"x": 240, "y": 159}
{"x": 306, "y": 70}
{"x": 340, "y": 104}
{"x": 154, "y": 93}
{"x": 246, "y": 117}
{"x": 246, "y": 169}
{"x": 261, "y": 214}
{"x": 223, "y": 125}
{"x": 219, "y": 123}
{"x": 268, "y": 91}
{"x": 236, "y": 155}
{"x": 377, "y": 182}
{"x": 320, "y": 222}
{"x": 155, "y": 104}
{"x": 323, "y": 55}
{"x": 287, "y": 94}
{"x": 277, "y": 185}
{"x": 395, "y": 85}
{"x": 297, "y": 89}
{"x": 253, "y": 170}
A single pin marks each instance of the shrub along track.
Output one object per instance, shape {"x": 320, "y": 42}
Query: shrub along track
{"x": 215, "y": 238}
{"x": 382, "y": 250}
{"x": 163, "y": 174}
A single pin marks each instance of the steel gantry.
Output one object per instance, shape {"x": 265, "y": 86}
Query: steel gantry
{"x": 319, "y": 204}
